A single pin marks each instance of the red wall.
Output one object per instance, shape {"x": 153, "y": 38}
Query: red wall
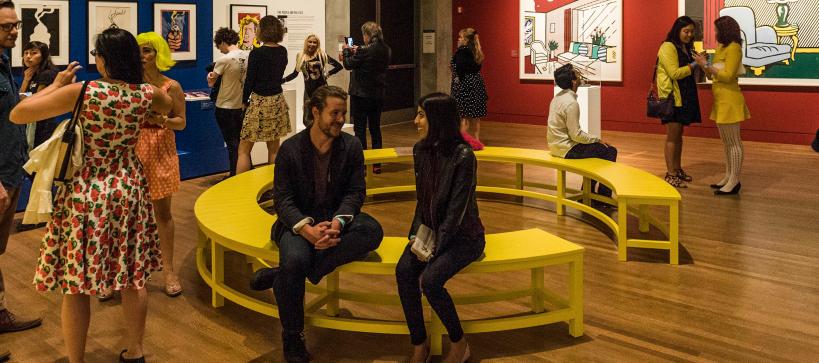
{"x": 786, "y": 115}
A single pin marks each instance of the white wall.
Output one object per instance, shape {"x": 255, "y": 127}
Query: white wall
{"x": 329, "y": 14}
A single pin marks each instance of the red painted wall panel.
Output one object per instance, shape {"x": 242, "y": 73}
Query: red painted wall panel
{"x": 788, "y": 115}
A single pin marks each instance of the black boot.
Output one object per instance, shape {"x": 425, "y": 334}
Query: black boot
{"x": 294, "y": 349}
{"x": 815, "y": 144}
{"x": 264, "y": 278}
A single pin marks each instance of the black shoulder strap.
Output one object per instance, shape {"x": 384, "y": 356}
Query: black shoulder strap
{"x": 78, "y": 106}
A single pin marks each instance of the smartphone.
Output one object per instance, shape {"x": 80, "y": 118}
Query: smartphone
{"x": 349, "y": 41}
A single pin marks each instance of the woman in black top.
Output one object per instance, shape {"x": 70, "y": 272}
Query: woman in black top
{"x": 38, "y": 73}
{"x": 267, "y": 115}
{"x": 676, "y": 71}
{"x": 468, "y": 87}
{"x": 445, "y": 179}
{"x": 312, "y": 63}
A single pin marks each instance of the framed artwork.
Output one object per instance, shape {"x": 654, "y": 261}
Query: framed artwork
{"x": 585, "y": 33}
{"x": 244, "y": 19}
{"x": 781, "y": 37}
{"x": 106, "y": 14}
{"x": 44, "y": 21}
{"x": 177, "y": 24}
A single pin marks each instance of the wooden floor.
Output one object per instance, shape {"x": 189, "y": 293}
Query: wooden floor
{"x": 747, "y": 289}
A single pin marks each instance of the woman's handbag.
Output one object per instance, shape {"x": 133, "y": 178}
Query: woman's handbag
{"x": 69, "y": 140}
{"x": 657, "y": 107}
{"x": 424, "y": 245}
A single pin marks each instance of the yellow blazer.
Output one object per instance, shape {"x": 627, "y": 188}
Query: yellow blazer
{"x": 669, "y": 71}
{"x": 729, "y": 104}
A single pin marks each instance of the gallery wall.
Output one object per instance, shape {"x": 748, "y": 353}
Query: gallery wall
{"x": 787, "y": 115}
{"x": 191, "y": 74}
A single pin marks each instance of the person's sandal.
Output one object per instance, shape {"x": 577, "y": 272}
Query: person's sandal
{"x": 105, "y": 295}
{"x": 173, "y": 289}
{"x": 684, "y": 176}
{"x": 675, "y": 181}
{"x": 122, "y": 358}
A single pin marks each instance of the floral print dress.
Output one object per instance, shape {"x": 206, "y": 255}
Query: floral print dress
{"x": 102, "y": 234}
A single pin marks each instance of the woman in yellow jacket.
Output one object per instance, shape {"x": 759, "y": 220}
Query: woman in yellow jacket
{"x": 675, "y": 78}
{"x": 729, "y": 107}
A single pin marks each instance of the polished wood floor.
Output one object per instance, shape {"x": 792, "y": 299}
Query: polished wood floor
{"x": 747, "y": 289}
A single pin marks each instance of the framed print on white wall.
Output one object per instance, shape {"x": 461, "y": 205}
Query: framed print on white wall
{"x": 177, "y": 24}
{"x": 106, "y": 14}
{"x": 244, "y": 19}
{"x": 43, "y": 21}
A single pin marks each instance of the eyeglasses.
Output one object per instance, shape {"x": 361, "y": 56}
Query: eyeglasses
{"x": 95, "y": 52}
{"x": 9, "y": 26}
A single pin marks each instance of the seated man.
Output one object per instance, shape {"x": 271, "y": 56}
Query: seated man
{"x": 566, "y": 139}
{"x": 318, "y": 192}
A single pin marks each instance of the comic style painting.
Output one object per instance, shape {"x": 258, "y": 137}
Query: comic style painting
{"x": 46, "y": 22}
{"x": 244, "y": 19}
{"x": 780, "y": 37}
{"x": 177, "y": 24}
{"x": 586, "y": 33}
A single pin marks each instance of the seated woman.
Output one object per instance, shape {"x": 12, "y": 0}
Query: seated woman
{"x": 445, "y": 177}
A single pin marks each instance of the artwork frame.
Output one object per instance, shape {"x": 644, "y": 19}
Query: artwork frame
{"x": 241, "y": 18}
{"x": 27, "y": 11}
{"x": 96, "y": 12}
{"x": 790, "y": 38}
{"x": 176, "y": 22}
{"x": 585, "y": 33}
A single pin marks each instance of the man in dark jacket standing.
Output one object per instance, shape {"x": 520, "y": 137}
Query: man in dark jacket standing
{"x": 13, "y": 155}
{"x": 367, "y": 82}
{"x": 318, "y": 192}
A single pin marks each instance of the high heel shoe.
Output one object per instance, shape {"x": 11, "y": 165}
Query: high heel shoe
{"x": 716, "y": 186}
{"x": 735, "y": 190}
{"x": 122, "y": 358}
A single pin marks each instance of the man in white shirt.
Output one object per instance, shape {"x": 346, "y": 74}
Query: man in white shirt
{"x": 230, "y": 71}
{"x": 566, "y": 138}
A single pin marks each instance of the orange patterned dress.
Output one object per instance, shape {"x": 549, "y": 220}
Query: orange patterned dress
{"x": 156, "y": 150}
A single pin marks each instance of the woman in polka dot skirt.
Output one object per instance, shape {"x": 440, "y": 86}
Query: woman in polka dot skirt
{"x": 468, "y": 87}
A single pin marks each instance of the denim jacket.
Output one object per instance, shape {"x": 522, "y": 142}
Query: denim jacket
{"x": 13, "y": 144}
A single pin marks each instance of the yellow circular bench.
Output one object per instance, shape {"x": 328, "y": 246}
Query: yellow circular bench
{"x": 230, "y": 219}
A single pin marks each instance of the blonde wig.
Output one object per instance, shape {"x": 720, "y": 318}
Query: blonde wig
{"x": 163, "y": 52}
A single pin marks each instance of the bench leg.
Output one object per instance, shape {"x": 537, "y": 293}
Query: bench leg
{"x": 537, "y": 290}
{"x": 217, "y": 270}
{"x": 331, "y": 286}
{"x": 519, "y": 176}
{"x": 643, "y": 217}
{"x": 561, "y": 193}
{"x": 436, "y": 335}
{"x": 586, "y": 191}
{"x": 622, "y": 236}
{"x": 576, "y": 296}
{"x": 674, "y": 233}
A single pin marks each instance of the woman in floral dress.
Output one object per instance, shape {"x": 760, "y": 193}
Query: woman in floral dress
{"x": 102, "y": 233}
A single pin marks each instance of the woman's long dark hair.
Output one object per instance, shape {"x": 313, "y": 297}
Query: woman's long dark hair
{"x": 123, "y": 59}
{"x": 443, "y": 123}
{"x": 45, "y": 56}
{"x": 728, "y": 31}
{"x": 674, "y": 34}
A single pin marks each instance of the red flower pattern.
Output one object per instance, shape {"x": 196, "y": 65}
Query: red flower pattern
{"x": 103, "y": 233}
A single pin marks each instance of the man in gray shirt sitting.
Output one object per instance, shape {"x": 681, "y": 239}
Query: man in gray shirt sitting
{"x": 566, "y": 139}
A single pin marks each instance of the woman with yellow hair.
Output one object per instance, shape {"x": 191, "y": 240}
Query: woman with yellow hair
{"x": 312, "y": 63}
{"x": 156, "y": 149}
